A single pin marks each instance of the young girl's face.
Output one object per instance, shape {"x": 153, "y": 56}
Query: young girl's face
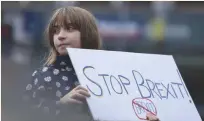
{"x": 66, "y": 38}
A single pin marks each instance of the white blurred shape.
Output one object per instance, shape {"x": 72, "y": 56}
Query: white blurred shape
{"x": 162, "y": 8}
{"x": 117, "y": 4}
{"x": 118, "y": 29}
{"x": 21, "y": 55}
{"x": 20, "y": 35}
{"x": 66, "y": 3}
{"x": 24, "y": 4}
{"x": 172, "y": 31}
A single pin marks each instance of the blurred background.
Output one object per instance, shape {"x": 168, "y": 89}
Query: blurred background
{"x": 175, "y": 28}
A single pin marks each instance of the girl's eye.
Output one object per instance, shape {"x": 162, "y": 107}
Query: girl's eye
{"x": 56, "y": 30}
{"x": 70, "y": 28}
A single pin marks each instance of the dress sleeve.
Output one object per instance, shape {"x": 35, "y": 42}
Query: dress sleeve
{"x": 38, "y": 97}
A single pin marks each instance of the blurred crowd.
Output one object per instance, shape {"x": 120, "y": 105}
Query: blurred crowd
{"x": 174, "y": 28}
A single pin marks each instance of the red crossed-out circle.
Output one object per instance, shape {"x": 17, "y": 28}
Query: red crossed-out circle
{"x": 135, "y": 103}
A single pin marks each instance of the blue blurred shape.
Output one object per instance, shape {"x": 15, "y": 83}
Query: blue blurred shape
{"x": 34, "y": 24}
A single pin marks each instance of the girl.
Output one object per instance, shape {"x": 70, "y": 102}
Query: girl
{"x": 54, "y": 88}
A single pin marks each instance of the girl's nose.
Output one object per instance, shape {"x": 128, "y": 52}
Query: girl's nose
{"x": 62, "y": 34}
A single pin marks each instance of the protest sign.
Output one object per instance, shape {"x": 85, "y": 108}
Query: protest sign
{"x": 125, "y": 86}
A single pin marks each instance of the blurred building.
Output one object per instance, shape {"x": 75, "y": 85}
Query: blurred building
{"x": 174, "y": 28}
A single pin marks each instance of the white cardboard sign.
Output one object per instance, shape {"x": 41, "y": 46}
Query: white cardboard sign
{"x": 125, "y": 86}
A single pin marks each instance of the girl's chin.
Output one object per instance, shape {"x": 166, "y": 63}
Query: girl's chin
{"x": 63, "y": 52}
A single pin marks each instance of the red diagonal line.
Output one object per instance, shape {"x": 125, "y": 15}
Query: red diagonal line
{"x": 144, "y": 108}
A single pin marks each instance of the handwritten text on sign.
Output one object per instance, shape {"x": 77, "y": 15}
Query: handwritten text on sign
{"x": 125, "y": 86}
{"x": 155, "y": 89}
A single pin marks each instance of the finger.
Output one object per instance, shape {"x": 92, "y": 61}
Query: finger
{"x": 150, "y": 117}
{"x": 74, "y": 101}
{"x": 80, "y": 87}
{"x": 154, "y": 119}
{"x": 84, "y": 93}
{"x": 147, "y": 118}
{"x": 78, "y": 96}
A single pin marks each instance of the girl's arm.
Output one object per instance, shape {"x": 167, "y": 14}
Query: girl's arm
{"x": 38, "y": 97}
{"x": 42, "y": 100}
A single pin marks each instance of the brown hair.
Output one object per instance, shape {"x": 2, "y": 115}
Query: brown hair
{"x": 82, "y": 20}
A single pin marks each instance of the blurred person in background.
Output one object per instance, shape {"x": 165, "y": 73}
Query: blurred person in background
{"x": 54, "y": 89}
{"x": 6, "y": 37}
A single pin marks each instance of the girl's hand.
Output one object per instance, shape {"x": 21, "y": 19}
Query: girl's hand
{"x": 151, "y": 117}
{"x": 76, "y": 96}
